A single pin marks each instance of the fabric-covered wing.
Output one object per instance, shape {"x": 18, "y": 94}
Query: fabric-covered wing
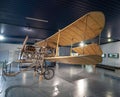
{"x": 86, "y": 27}
{"x": 83, "y": 59}
{"x": 92, "y": 49}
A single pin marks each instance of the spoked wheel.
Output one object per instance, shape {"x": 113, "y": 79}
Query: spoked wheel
{"x": 49, "y": 73}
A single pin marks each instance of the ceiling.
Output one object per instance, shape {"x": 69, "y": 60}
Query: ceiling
{"x": 14, "y": 24}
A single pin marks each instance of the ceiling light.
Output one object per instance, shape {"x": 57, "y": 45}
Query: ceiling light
{"x": 35, "y": 19}
{"x": 109, "y": 33}
{"x": 82, "y": 44}
{"x": 109, "y": 40}
{"x": 2, "y": 30}
{"x": 27, "y": 29}
{"x": 2, "y": 37}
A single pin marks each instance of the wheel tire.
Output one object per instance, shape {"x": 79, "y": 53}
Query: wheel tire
{"x": 49, "y": 73}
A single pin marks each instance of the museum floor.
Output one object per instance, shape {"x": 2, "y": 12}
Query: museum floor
{"x": 69, "y": 81}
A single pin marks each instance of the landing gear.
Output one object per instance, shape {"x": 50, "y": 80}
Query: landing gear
{"x": 49, "y": 73}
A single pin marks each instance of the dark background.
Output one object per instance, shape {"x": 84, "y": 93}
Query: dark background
{"x": 58, "y": 13}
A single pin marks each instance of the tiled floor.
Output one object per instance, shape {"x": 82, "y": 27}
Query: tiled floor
{"x": 69, "y": 81}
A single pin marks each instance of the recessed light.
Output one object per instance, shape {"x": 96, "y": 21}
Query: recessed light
{"x": 2, "y": 30}
{"x": 109, "y": 40}
{"x": 109, "y": 33}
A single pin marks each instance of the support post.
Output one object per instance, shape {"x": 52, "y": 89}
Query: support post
{"x": 71, "y": 47}
{"x": 85, "y": 32}
{"x": 57, "y": 44}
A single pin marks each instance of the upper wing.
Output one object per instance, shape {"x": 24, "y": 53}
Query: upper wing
{"x": 86, "y": 27}
{"x": 92, "y": 49}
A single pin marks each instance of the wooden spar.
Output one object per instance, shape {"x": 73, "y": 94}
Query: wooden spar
{"x": 45, "y": 44}
{"x": 24, "y": 43}
{"x": 85, "y": 31}
{"x": 57, "y": 44}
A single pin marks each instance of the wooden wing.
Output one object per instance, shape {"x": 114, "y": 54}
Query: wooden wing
{"x": 92, "y": 49}
{"x": 82, "y": 59}
{"x": 90, "y": 54}
{"x": 86, "y": 27}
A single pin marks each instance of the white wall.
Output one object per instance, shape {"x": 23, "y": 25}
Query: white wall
{"x": 4, "y": 55}
{"x": 111, "y": 48}
{"x": 12, "y": 50}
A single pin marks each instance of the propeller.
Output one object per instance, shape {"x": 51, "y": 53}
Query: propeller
{"x": 23, "y": 47}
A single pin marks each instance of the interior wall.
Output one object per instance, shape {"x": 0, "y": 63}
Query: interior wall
{"x": 111, "y": 48}
{"x": 9, "y": 52}
{"x": 4, "y": 55}
{"x": 64, "y": 51}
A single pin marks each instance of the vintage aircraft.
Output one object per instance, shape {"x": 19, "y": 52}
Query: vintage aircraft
{"x": 87, "y": 27}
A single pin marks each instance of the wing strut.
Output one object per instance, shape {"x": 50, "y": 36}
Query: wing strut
{"x": 85, "y": 31}
{"x": 24, "y": 43}
{"x": 57, "y": 44}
